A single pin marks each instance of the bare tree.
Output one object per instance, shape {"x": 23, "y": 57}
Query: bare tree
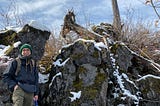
{"x": 8, "y": 15}
{"x": 117, "y": 19}
{"x": 155, "y": 4}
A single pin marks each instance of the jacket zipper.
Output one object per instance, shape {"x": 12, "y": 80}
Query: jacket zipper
{"x": 26, "y": 63}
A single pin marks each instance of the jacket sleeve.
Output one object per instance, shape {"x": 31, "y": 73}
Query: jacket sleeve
{"x": 9, "y": 75}
{"x": 36, "y": 83}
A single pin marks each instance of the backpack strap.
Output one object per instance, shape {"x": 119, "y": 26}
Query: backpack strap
{"x": 18, "y": 66}
{"x": 33, "y": 62}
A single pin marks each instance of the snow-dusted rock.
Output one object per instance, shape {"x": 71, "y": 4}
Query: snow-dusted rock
{"x": 115, "y": 77}
{"x": 32, "y": 33}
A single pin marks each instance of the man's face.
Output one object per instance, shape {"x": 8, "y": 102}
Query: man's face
{"x": 26, "y": 52}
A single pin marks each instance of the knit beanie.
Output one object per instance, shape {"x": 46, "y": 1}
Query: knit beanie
{"x": 25, "y": 46}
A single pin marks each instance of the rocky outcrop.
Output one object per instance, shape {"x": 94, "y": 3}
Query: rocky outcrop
{"x": 36, "y": 37}
{"x": 138, "y": 74}
{"x": 101, "y": 77}
{"x": 82, "y": 70}
{"x": 94, "y": 72}
{"x": 28, "y": 34}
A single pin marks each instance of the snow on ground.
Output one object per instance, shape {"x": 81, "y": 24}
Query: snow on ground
{"x": 43, "y": 78}
{"x": 2, "y": 51}
{"x": 5, "y": 60}
{"x": 4, "y": 48}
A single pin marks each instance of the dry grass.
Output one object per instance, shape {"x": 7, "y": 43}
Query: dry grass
{"x": 142, "y": 39}
{"x": 52, "y": 47}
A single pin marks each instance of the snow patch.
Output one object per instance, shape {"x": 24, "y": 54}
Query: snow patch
{"x": 100, "y": 45}
{"x": 37, "y": 25}
{"x": 157, "y": 52}
{"x": 16, "y": 29}
{"x": 58, "y": 62}
{"x": 127, "y": 79}
{"x": 76, "y": 95}
{"x": 148, "y": 76}
{"x": 17, "y": 44}
{"x": 125, "y": 91}
{"x": 3, "y": 48}
{"x": 121, "y": 105}
{"x": 80, "y": 39}
{"x": 97, "y": 45}
{"x": 2, "y": 52}
{"x": 43, "y": 78}
{"x": 120, "y": 82}
{"x": 58, "y": 74}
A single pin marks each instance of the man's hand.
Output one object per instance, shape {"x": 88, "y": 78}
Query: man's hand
{"x": 35, "y": 98}
{"x": 15, "y": 87}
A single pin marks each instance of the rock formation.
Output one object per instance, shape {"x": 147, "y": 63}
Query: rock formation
{"x": 97, "y": 72}
{"x": 103, "y": 77}
{"x": 109, "y": 75}
{"x": 28, "y": 34}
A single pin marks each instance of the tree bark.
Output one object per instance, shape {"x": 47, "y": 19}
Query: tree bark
{"x": 117, "y": 19}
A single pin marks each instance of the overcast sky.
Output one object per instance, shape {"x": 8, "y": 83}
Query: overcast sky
{"x": 52, "y": 12}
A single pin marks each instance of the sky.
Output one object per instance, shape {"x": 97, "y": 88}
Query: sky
{"x": 88, "y": 12}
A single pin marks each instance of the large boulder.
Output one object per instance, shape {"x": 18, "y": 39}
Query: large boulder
{"x": 28, "y": 34}
{"x": 87, "y": 73}
{"x": 138, "y": 75}
{"x": 83, "y": 69}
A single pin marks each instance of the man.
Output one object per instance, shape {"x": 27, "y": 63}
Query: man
{"x": 23, "y": 81}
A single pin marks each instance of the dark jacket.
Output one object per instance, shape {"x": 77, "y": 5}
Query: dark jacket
{"x": 27, "y": 77}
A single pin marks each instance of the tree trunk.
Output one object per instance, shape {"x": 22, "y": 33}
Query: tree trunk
{"x": 116, "y": 20}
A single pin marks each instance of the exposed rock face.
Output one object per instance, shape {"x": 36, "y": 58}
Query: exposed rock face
{"x": 150, "y": 90}
{"x": 85, "y": 71}
{"x": 138, "y": 74}
{"x": 7, "y": 37}
{"x": 103, "y": 77}
{"x": 36, "y": 37}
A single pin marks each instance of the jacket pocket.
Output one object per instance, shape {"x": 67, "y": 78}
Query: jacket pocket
{"x": 27, "y": 87}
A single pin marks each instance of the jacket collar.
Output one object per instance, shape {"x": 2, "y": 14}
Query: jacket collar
{"x": 25, "y": 57}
